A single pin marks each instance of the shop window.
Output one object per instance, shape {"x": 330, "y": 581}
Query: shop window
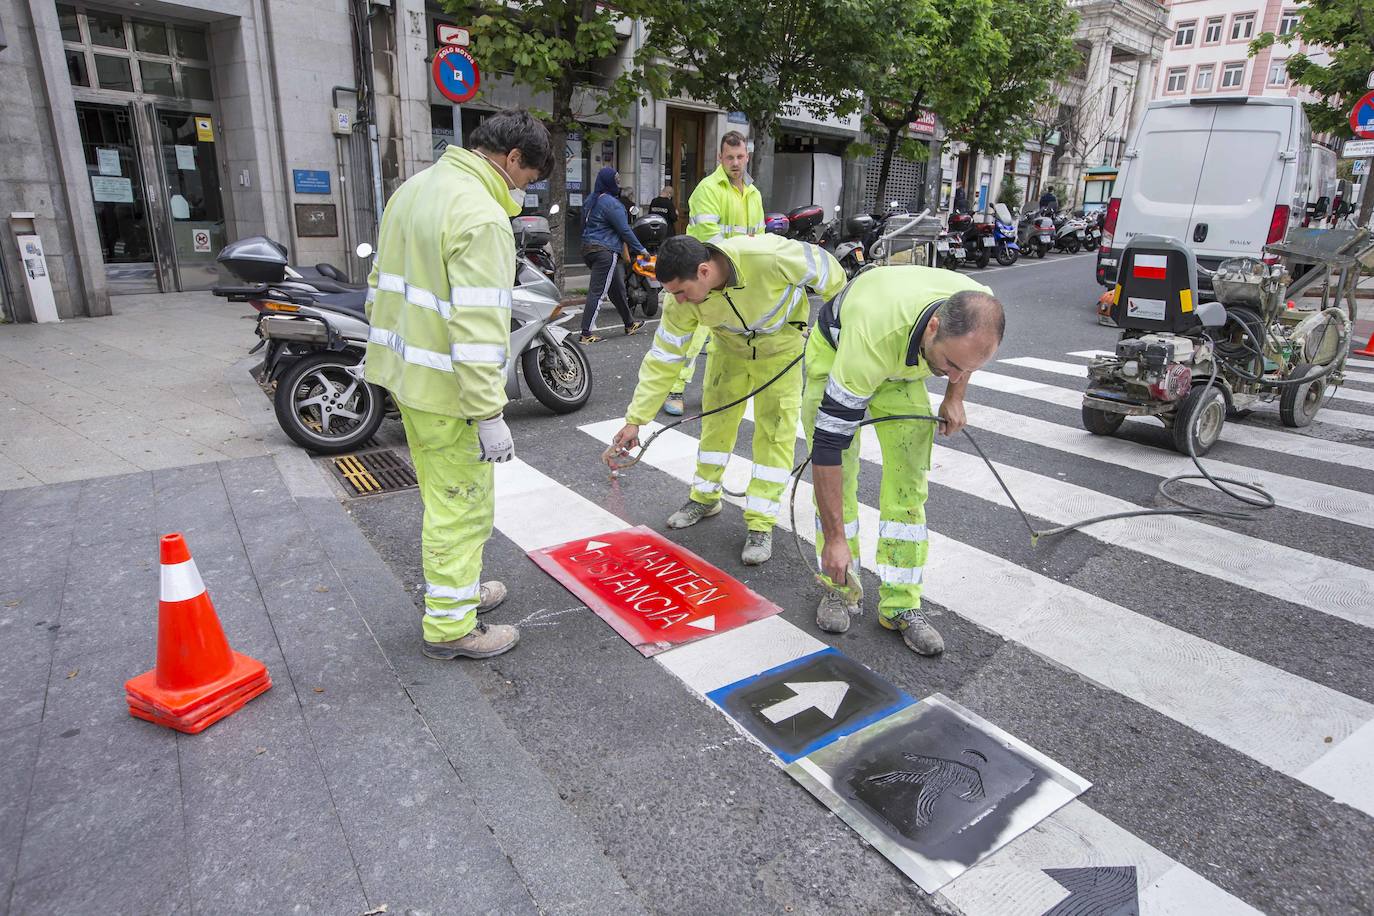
{"x": 107, "y": 30}
{"x": 76, "y": 68}
{"x": 191, "y": 44}
{"x": 113, "y": 73}
{"x": 150, "y": 38}
{"x": 156, "y": 77}
{"x": 67, "y": 21}
{"x": 195, "y": 83}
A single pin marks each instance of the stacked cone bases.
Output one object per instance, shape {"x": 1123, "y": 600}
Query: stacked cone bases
{"x": 198, "y": 679}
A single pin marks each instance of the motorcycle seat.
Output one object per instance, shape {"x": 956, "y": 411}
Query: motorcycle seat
{"x": 347, "y": 302}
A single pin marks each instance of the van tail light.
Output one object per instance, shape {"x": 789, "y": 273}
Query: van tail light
{"x": 1278, "y": 228}
{"x": 1109, "y": 225}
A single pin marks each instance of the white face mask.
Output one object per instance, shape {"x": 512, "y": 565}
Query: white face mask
{"x": 517, "y": 195}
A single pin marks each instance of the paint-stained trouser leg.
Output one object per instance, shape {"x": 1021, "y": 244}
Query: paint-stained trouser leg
{"x": 727, "y": 379}
{"x": 689, "y": 368}
{"x": 776, "y": 410}
{"x": 903, "y": 540}
{"x": 819, "y": 357}
{"x": 456, "y": 488}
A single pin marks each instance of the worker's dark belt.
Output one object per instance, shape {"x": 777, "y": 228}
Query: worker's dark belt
{"x": 828, "y": 321}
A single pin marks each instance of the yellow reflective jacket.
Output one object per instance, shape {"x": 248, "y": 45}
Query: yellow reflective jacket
{"x": 719, "y": 211}
{"x": 439, "y": 294}
{"x": 754, "y": 317}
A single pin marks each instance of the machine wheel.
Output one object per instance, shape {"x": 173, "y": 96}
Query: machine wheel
{"x": 1101, "y": 422}
{"x": 980, "y": 260}
{"x": 1299, "y": 403}
{"x": 560, "y": 390}
{"x": 1005, "y": 256}
{"x": 323, "y": 407}
{"x": 1200, "y": 416}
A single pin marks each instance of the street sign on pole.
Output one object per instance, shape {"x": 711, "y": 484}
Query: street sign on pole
{"x": 1357, "y": 149}
{"x": 1362, "y": 117}
{"x": 451, "y": 35}
{"x": 456, "y": 74}
{"x": 1359, "y": 167}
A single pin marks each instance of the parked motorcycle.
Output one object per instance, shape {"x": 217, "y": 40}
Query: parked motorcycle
{"x": 641, "y": 285}
{"x": 776, "y": 224}
{"x": 949, "y": 250}
{"x": 1035, "y": 234}
{"x": 1005, "y": 246}
{"x": 976, "y": 237}
{"x": 802, "y": 223}
{"x": 1092, "y": 229}
{"x": 848, "y": 246}
{"x": 533, "y": 240}
{"x": 316, "y": 344}
{"x": 1068, "y": 231}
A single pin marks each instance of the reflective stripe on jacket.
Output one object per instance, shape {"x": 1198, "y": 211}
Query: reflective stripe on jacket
{"x": 716, "y": 210}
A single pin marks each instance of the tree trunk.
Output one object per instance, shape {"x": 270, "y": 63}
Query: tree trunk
{"x": 971, "y": 184}
{"x": 889, "y": 150}
{"x": 761, "y": 164}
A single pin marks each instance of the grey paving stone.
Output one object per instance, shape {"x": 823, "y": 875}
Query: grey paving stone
{"x": 105, "y": 782}
{"x": 144, "y": 879}
{"x": 16, "y": 775}
{"x": 40, "y": 507}
{"x": 279, "y": 543}
{"x": 254, "y": 487}
{"x": 111, "y": 596}
{"x": 114, "y": 509}
{"x": 35, "y": 558}
{"x": 191, "y": 500}
{"x": 28, "y": 629}
{"x": 263, "y": 835}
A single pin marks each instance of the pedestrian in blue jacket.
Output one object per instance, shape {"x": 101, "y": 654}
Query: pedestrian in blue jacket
{"x": 606, "y": 225}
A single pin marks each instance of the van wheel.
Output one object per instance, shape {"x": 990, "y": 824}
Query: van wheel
{"x": 1101, "y": 422}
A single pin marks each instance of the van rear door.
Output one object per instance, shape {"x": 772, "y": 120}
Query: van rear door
{"x": 1248, "y": 159}
{"x": 1163, "y": 178}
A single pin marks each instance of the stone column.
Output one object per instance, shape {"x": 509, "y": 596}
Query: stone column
{"x": 1147, "y": 67}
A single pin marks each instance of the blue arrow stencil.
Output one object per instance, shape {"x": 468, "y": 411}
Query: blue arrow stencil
{"x": 1102, "y": 891}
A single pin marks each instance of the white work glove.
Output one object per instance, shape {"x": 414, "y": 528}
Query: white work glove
{"x": 495, "y": 439}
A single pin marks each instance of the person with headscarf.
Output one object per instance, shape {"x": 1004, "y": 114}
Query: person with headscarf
{"x": 605, "y": 227}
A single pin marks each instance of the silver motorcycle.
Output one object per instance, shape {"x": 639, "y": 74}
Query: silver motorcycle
{"x": 315, "y": 331}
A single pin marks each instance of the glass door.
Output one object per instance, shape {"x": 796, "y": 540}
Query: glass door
{"x": 184, "y": 147}
{"x": 110, "y": 144}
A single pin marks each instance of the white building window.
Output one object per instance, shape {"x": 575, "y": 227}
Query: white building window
{"x": 1111, "y": 107}
{"x": 1177, "y": 81}
{"x": 1203, "y": 83}
{"x": 1288, "y": 24}
{"x": 1278, "y": 73}
{"x": 1232, "y": 75}
{"x": 1212, "y": 35}
{"x": 1243, "y": 27}
{"x": 1185, "y": 34}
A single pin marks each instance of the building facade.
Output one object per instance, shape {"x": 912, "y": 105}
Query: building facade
{"x": 1208, "y": 54}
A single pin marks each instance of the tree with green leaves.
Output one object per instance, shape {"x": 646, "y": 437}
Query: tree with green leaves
{"x": 932, "y": 54}
{"x": 559, "y": 47}
{"x": 1344, "y": 30}
{"x": 1038, "y": 36}
{"x": 762, "y": 58}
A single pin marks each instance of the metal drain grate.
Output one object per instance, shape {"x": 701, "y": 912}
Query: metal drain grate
{"x": 369, "y": 473}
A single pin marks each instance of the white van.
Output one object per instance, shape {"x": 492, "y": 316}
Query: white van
{"x": 1225, "y": 176}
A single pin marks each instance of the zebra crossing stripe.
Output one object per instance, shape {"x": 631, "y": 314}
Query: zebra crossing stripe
{"x": 1072, "y": 835}
{"x": 1308, "y": 496}
{"x": 1327, "y": 415}
{"x": 1298, "y": 445}
{"x": 1199, "y": 684}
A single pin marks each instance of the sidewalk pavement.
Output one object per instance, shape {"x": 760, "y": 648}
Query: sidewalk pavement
{"x": 367, "y": 775}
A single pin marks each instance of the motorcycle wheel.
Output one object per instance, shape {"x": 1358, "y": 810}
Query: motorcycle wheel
{"x": 1090, "y": 245}
{"x": 980, "y": 260}
{"x": 1005, "y": 256}
{"x": 323, "y": 408}
{"x": 1072, "y": 245}
{"x": 650, "y": 306}
{"x": 1041, "y": 250}
{"x": 560, "y": 390}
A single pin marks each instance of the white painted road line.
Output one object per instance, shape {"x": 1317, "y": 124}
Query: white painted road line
{"x": 1326, "y": 415}
{"x": 1204, "y": 686}
{"x": 1073, "y": 833}
{"x": 1299, "y": 445}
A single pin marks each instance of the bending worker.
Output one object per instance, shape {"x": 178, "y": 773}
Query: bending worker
{"x": 726, "y": 204}
{"x": 439, "y": 300}
{"x": 751, "y": 294}
{"x": 871, "y": 349}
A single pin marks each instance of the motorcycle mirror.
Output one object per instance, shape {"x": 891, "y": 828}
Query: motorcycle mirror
{"x": 554, "y": 209}
{"x": 837, "y": 208}
{"x": 894, "y": 204}
{"x": 364, "y": 250}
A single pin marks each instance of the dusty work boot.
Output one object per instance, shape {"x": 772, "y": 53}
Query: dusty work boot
{"x": 833, "y": 613}
{"x": 493, "y": 593}
{"x": 920, "y": 637}
{"x": 483, "y": 642}
{"x": 673, "y": 406}
{"x": 758, "y": 548}
{"x": 691, "y": 513}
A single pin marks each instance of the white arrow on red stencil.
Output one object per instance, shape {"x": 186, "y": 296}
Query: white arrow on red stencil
{"x": 825, "y": 696}
{"x": 596, "y": 545}
{"x": 705, "y": 623}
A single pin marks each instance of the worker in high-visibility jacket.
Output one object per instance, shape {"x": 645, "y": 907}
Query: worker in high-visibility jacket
{"x": 870, "y": 352}
{"x": 724, "y": 205}
{"x": 752, "y": 295}
{"x": 439, "y": 299}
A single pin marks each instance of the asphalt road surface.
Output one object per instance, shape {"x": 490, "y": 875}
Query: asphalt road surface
{"x": 1211, "y": 679}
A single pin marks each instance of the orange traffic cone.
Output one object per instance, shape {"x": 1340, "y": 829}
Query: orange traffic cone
{"x": 1368, "y": 348}
{"x": 198, "y": 679}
